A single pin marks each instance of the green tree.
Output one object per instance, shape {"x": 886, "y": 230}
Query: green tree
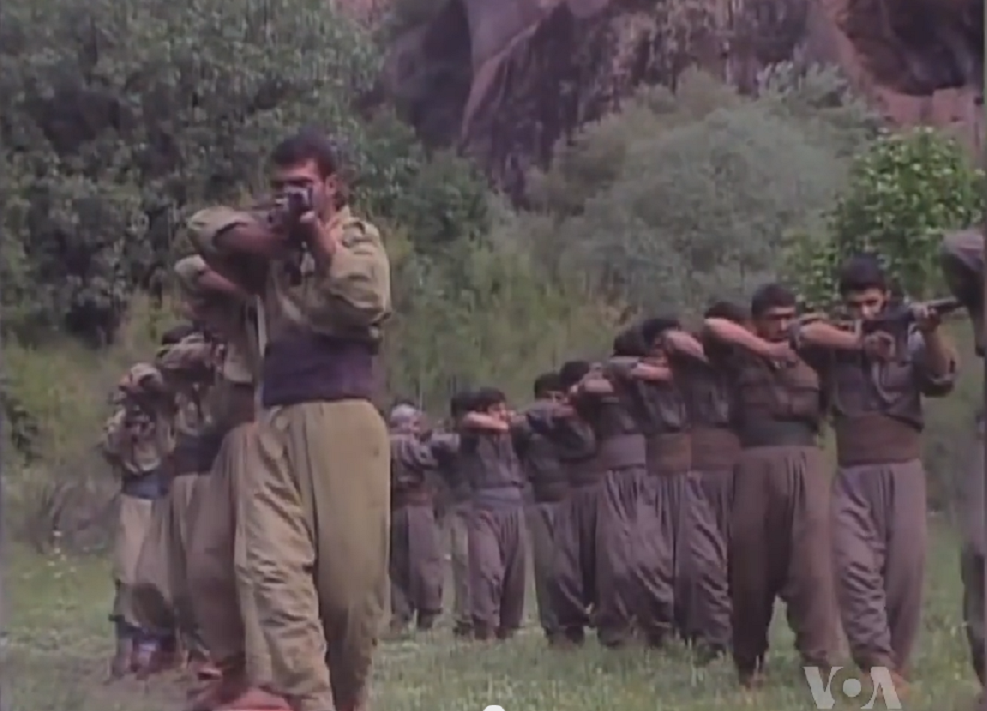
{"x": 904, "y": 192}
{"x": 688, "y": 197}
{"x": 121, "y": 117}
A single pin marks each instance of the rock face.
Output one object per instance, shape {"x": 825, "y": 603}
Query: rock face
{"x": 504, "y": 80}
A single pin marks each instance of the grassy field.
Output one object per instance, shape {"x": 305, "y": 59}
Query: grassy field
{"x": 58, "y": 646}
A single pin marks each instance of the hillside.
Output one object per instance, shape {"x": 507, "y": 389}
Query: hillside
{"x": 504, "y": 80}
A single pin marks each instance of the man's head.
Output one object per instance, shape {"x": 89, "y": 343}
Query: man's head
{"x": 863, "y": 286}
{"x": 630, "y": 343}
{"x": 773, "y": 311}
{"x": 653, "y": 331}
{"x": 308, "y": 160}
{"x": 728, "y": 311}
{"x": 547, "y": 386}
{"x": 459, "y": 403}
{"x": 404, "y": 417}
{"x": 572, "y": 372}
{"x": 489, "y": 401}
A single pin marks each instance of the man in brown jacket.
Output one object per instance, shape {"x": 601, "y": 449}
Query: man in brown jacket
{"x": 879, "y": 500}
{"x": 225, "y": 610}
{"x": 549, "y": 488}
{"x": 317, "y": 518}
{"x": 416, "y": 564}
{"x": 780, "y": 525}
{"x": 136, "y": 449}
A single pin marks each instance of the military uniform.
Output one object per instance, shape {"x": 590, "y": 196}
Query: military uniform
{"x": 879, "y": 500}
{"x": 189, "y": 371}
{"x": 220, "y": 599}
{"x": 416, "y": 565}
{"x": 132, "y": 445}
{"x": 780, "y": 526}
{"x": 549, "y": 489}
{"x": 457, "y": 527}
{"x": 153, "y": 590}
{"x": 708, "y": 390}
{"x": 626, "y": 524}
{"x": 317, "y": 515}
{"x": 963, "y": 267}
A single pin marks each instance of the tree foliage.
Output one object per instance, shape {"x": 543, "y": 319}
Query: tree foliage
{"x": 903, "y": 193}
{"x": 121, "y": 117}
{"x": 685, "y": 198}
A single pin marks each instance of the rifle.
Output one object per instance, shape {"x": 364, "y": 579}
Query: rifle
{"x": 899, "y": 317}
{"x": 896, "y": 319}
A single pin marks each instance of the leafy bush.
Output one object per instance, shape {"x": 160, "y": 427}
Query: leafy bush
{"x": 120, "y": 119}
{"x": 903, "y": 193}
{"x": 485, "y": 315}
{"x": 687, "y": 197}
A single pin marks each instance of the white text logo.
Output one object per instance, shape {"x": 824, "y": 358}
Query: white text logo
{"x": 881, "y": 686}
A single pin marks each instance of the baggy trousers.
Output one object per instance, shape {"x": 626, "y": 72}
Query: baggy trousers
{"x": 879, "y": 542}
{"x": 133, "y": 523}
{"x": 543, "y": 528}
{"x": 457, "y": 521}
{"x": 498, "y": 569}
{"x": 316, "y": 526}
{"x": 161, "y": 597}
{"x": 626, "y": 563}
{"x": 573, "y": 586}
{"x": 665, "y": 574}
{"x": 416, "y": 565}
{"x": 183, "y": 496}
{"x": 706, "y": 539}
{"x": 780, "y": 546}
{"x": 225, "y": 610}
{"x": 972, "y": 552}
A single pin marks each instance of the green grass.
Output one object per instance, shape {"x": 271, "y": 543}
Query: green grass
{"x": 59, "y": 644}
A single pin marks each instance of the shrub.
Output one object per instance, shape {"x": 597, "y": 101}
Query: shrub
{"x": 120, "y": 119}
{"x": 694, "y": 202}
{"x": 903, "y": 193}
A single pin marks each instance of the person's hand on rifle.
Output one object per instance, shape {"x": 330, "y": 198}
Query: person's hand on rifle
{"x": 879, "y": 345}
{"x": 927, "y": 318}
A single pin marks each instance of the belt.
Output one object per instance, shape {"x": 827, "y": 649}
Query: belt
{"x": 778, "y": 433}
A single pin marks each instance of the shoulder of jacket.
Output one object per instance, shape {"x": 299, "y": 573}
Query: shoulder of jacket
{"x": 355, "y": 230}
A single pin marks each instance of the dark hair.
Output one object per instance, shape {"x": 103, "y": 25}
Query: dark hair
{"x": 772, "y": 296}
{"x": 860, "y": 273}
{"x": 177, "y": 334}
{"x": 728, "y": 311}
{"x": 304, "y": 146}
{"x": 546, "y": 384}
{"x": 652, "y": 328}
{"x": 572, "y": 372}
{"x": 630, "y": 343}
{"x": 486, "y": 397}
{"x": 459, "y": 403}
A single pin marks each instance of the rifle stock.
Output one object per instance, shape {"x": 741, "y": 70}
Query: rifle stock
{"x": 894, "y": 319}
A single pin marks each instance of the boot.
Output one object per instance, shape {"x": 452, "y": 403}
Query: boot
{"x": 120, "y": 664}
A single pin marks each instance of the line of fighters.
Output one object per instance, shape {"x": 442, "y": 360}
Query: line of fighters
{"x": 675, "y": 488}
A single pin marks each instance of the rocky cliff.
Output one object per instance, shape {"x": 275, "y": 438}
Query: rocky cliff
{"x": 504, "y": 80}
